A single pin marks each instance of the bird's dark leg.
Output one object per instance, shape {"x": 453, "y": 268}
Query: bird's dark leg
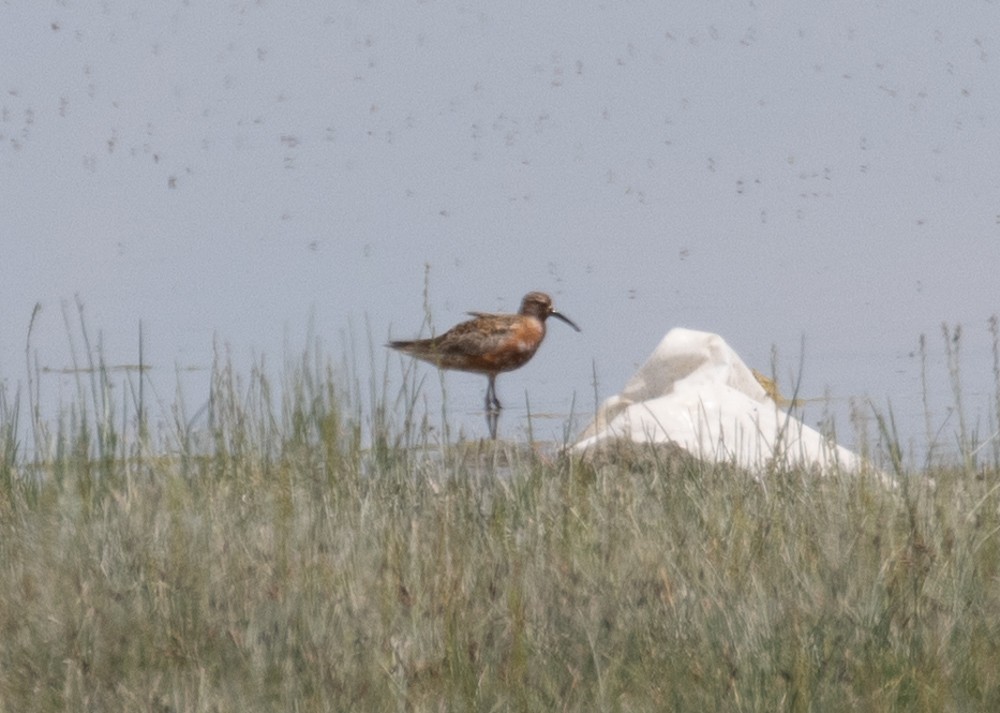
{"x": 492, "y": 402}
{"x": 492, "y": 418}
{"x": 492, "y": 407}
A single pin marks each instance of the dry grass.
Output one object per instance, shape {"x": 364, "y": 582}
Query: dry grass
{"x": 287, "y": 565}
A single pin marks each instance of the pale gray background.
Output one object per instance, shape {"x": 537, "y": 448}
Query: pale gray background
{"x": 770, "y": 171}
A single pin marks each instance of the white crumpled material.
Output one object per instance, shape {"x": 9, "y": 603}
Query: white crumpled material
{"x": 696, "y": 393}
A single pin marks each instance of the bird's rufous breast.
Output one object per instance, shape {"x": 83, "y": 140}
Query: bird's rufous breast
{"x": 518, "y": 346}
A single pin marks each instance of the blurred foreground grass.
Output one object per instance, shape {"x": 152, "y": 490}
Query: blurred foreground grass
{"x": 280, "y": 564}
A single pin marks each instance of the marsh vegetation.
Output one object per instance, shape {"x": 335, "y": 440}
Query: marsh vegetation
{"x": 314, "y": 547}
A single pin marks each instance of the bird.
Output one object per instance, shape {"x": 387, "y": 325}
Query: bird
{"x": 489, "y": 344}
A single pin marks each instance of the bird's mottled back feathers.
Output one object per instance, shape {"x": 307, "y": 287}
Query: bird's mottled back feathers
{"x": 490, "y": 343}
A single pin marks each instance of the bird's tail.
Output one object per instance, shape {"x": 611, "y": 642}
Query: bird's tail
{"x": 402, "y": 345}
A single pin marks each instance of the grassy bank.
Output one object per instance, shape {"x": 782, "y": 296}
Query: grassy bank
{"x": 281, "y": 562}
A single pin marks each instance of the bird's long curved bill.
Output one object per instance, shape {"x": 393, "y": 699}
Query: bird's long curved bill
{"x": 565, "y": 319}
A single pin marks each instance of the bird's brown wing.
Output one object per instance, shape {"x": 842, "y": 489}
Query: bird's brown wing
{"x": 483, "y": 335}
{"x": 479, "y": 345}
